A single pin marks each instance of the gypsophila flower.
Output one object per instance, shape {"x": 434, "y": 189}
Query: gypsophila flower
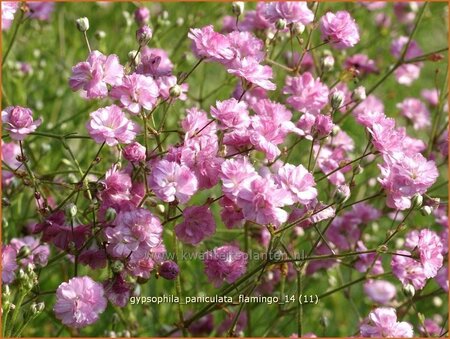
{"x": 382, "y": 322}
{"x": 111, "y": 126}
{"x": 79, "y": 302}
{"x": 18, "y": 121}
{"x": 198, "y": 224}
{"x": 339, "y": 29}
{"x": 225, "y": 263}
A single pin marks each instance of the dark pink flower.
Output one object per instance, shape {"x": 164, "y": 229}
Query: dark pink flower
{"x": 225, "y": 263}
{"x": 134, "y": 152}
{"x": 154, "y": 62}
{"x": 198, "y": 225}
{"x": 10, "y": 151}
{"x": 117, "y": 290}
{"x": 41, "y": 10}
{"x": 142, "y": 16}
{"x": 361, "y": 63}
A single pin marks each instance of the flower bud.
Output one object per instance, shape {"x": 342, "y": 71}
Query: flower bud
{"x": 298, "y": 28}
{"x": 382, "y": 249}
{"x": 280, "y": 24}
{"x": 417, "y": 200}
{"x": 342, "y": 194}
{"x": 82, "y": 24}
{"x": 100, "y": 35}
{"x": 142, "y": 16}
{"x": 117, "y": 266}
{"x": 169, "y": 270}
{"x": 175, "y": 91}
{"x": 409, "y": 290}
{"x": 426, "y": 210}
{"x": 359, "y": 94}
{"x": 24, "y": 252}
{"x": 337, "y": 99}
{"x": 72, "y": 210}
{"x": 237, "y": 7}
{"x": 6, "y": 292}
{"x": 324, "y": 321}
{"x": 160, "y": 208}
{"x": 327, "y": 63}
{"x": 110, "y": 214}
{"x": 134, "y": 57}
{"x": 143, "y": 35}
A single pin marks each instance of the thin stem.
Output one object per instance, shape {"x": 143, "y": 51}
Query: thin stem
{"x": 13, "y": 39}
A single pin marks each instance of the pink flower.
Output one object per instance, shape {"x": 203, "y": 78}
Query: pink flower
{"x": 408, "y": 270}
{"x": 79, "y": 302}
{"x": 380, "y": 291}
{"x": 430, "y": 250}
{"x": 253, "y": 73}
{"x": 298, "y": 181}
{"x": 210, "y": 45}
{"x": 262, "y": 202}
{"x": 9, "y": 8}
{"x": 231, "y": 214}
{"x": 370, "y": 111}
{"x": 361, "y": 63}
{"x": 231, "y": 114}
{"x": 134, "y": 152}
{"x": 407, "y": 73}
{"x": 385, "y": 136}
{"x": 225, "y": 263}
{"x": 165, "y": 83}
{"x": 94, "y": 74}
{"x": 382, "y": 322}
{"x": 41, "y": 10}
{"x": 199, "y": 154}
{"x": 117, "y": 290}
{"x": 416, "y": 111}
{"x": 18, "y": 121}
{"x": 136, "y": 92}
{"x": 339, "y": 29}
{"x": 39, "y": 252}
{"x": 134, "y": 234}
{"x": 291, "y": 11}
{"x": 442, "y": 278}
{"x": 110, "y": 125}
{"x": 236, "y": 174}
{"x": 366, "y": 261}
{"x": 431, "y": 96}
{"x": 270, "y": 126}
{"x": 171, "y": 181}
{"x": 306, "y": 94}
{"x": 154, "y": 62}
{"x": 9, "y": 264}
{"x": 198, "y": 225}
{"x": 142, "y": 16}
{"x": 117, "y": 185}
{"x": 10, "y": 151}
{"x": 430, "y": 328}
{"x": 403, "y": 176}
{"x": 246, "y": 45}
